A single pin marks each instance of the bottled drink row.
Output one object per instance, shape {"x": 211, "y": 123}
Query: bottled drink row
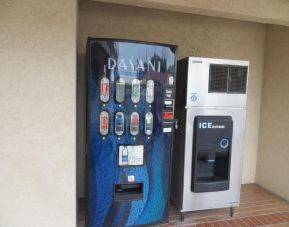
{"x": 120, "y": 90}
{"x": 119, "y": 123}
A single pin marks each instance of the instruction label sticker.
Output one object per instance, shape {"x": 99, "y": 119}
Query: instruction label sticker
{"x": 130, "y": 155}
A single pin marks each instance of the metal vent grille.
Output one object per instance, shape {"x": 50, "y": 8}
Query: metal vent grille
{"x": 237, "y": 79}
{"x": 228, "y": 79}
{"x": 218, "y": 78}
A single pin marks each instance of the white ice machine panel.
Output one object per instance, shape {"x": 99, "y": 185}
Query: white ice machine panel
{"x": 198, "y": 94}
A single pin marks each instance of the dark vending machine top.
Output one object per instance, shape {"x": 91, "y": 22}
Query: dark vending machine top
{"x": 131, "y": 93}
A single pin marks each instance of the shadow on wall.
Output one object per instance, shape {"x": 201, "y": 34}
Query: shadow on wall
{"x": 81, "y": 125}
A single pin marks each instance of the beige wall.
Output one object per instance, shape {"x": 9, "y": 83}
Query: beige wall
{"x": 273, "y": 155}
{"x": 37, "y": 117}
{"x": 195, "y": 35}
{"x": 269, "y": 11}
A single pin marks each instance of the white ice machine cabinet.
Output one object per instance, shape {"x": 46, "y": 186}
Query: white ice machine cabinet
{"x": 209, "y": 137}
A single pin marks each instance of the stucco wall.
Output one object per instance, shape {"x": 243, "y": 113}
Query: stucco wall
{"x": 273, "y": 155}
{"x": 37, "y": 116}
{"x": 269, "y": 11}
{"x": 195, "y": 35}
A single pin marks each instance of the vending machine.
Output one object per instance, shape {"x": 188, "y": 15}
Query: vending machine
{"x": 131, "y": 94}
{"x": 209, "y": 139}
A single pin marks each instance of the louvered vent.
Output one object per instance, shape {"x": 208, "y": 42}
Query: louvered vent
{"x": 218, "y": 78}
{"x": 237, "y": 79}
{"x": 228, "y": 79}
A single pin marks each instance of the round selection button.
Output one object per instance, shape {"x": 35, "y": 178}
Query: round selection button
{"x": 224, "y": 143}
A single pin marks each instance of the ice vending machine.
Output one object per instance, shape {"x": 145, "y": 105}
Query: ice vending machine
{"x": 209, "y": 140}
{"x": 131, "y": 94}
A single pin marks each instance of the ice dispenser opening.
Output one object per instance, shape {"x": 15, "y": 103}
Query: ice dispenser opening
{"x": 128, "y": 191}
{"x": 211, "y": 153}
